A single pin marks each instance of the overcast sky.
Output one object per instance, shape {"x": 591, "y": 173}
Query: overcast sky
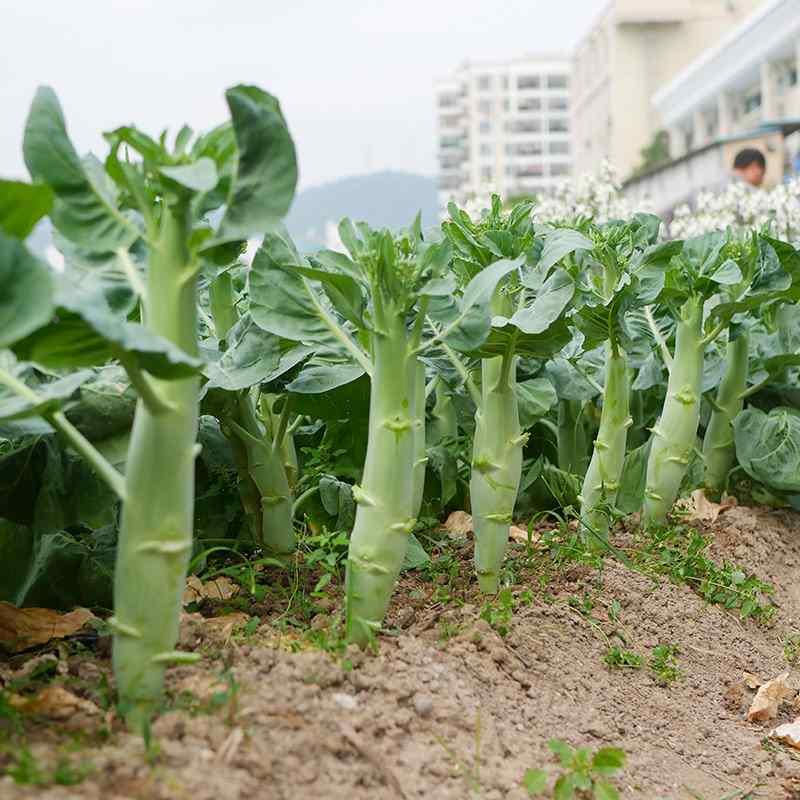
{"x": 355, "y": 77}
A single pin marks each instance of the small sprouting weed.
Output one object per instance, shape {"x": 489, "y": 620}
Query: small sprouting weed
{"x": 615, "y": 611}
{"x": 617, "y": 658}
{"x": 791, "y": 648}
{"x": 664, "y": 664}
{"x": 581, "y": 772}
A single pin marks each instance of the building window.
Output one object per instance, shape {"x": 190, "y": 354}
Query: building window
{"x": 530, "y": 171}
{"x": 485, "y": 126}
{"x": 559, "y": 148}
{"x": 450, "y": 182}
{"x": 486, "y": 149}
{"x": 528, "y": 82}
{"x": 752, "y": 102}
{"x": 530, "y": 104}
{"x": 485, "y": 106}
{"x": 486, "y": 173}
{"x": 559, "y": 170}
{"x": 558, "y": 125}
{"x": 557, "y": 104}
{"x": 526, "y": 149}
{"x": 506, "y": 105}
{"x": 557, "y": 82}
{"x": 504, "y": 82}
{"x": 524, "y": 126}
{"x": 484, "y": 83}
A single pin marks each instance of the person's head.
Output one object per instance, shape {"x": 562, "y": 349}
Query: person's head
{"x": 750, "y": 165}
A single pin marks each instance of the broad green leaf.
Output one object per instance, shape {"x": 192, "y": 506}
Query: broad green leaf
{"x": 337, "y": 500}
{"x": 535, "y": 398}
{"x": 533, "y": 345}
{"x": 549, "y": 305}
{"x": 466, "y": 321}
{"x": 85, "y": 208}
{"x": 321, "y": 378}
{"x": 603, "y": 790}
{"x": 26, "y": 292}
{"x": 768, "y": 446}
{"x": 534, "y": 781}
{"x": 342, "y": 290}
{"x": 147, "y": 147}
{"x": 632, "y": 484}
{"x": 282, "y": 300}
{"x": 565, "y": 787}
{"x": 22, "y": 205}
{"x": 348, "y": 401}
{"x": 608, "y": 760}
{"x": 415, "y": 556}
{"x": 253, "y": 356}
{"x": 727, "y": 274}
{"x": 87, "y": 333}
{"x": 560, "y": 243}
{"x": 199, "y": 176}
{"x": 702, "y": 253}
{"x": 562, "y": 750}
{"x": 266, "y": 173}
{"x": 52, "y": 397}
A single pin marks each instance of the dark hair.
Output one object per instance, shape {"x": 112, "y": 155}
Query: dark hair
{"x": 750, "y": 155}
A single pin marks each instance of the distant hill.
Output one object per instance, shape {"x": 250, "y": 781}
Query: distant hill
{"x": 383, "y": 199}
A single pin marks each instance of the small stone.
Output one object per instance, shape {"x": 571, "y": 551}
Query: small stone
{"x": 346, "y": 701}
{"x": 423, "y": 704}
{"x": 499, "y": 655}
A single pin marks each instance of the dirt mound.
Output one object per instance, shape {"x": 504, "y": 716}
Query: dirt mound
{"x": 450, "y": 708}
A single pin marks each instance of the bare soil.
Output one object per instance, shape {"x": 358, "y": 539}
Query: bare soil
{"x": 447, "y": 707}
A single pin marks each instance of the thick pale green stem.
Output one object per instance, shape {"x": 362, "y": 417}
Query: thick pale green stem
{"x": 384, "y": 517}
{"x": 675, "y": 433}
{"x": 496, "y": 469}
{"x": 155, "y": 540}
{"x": 444, "y": 428}
{"x": 420, "y": 458}
{"x": 719, "y": 449}
{"x": 571, "y": 437}
{"x": 601, "y": 484}
{"x": 266, "y": 469}
{"x": 223, "y": 304}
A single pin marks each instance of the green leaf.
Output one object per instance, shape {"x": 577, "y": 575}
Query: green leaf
{"x": 634, "y": 476}
{"x": 560, "y": 243}
{"x": 467, "y": 321}
{"x": 768, "y": 446}
{"x": 608, "y": 760}
{"x": 727, "y": 274}
{"x": 320, "y": 378}
{"x": 549, "y": 305}
{"x": 266, "y": 174}
{"x": 282, "y": 300}
{"x": 564, "y": 788}
{"x": 199, "y": 176}
{"x": 26, "y": 292}
{"x": 562, "y": 750}
{"x": 53, "y": 396}
{"x": 533, "y": 345}
{"x": 416, "y": 556}
{"x": 22, "y": 205}
{"x": 535, "y": 397}
{"x": 534, "y": 781}
{"x": 342, "y": 290}
{"x": 603, "y": 790}
{"x": 87, "y": 333}
{"x": 85, "y": 209}
{"x": 253, "y": 356}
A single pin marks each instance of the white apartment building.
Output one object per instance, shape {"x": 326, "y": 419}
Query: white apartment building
{"x": 634, "y": 48}
{"x": 742, "y": 92}
{"x": 746, "y": 83}
{"x": 504, "y": 125}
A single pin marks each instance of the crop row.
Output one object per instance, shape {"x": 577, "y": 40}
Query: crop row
{"x": 580, "y": 358}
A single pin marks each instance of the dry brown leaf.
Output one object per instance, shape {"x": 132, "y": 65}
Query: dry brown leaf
{"x": 751, "y": 681}
{"x": 223, "y": 627}
{"x": 221, "y": 588}
{"x": 699, "y": 507}
{"x": 789, "y": 733}
{"x": 54, "y": 702}
{"x": 459, "y": 524}
{"x": 521, "y": 534}
{"x": 21, "y": 628}
{"x": 768, "y": 698}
